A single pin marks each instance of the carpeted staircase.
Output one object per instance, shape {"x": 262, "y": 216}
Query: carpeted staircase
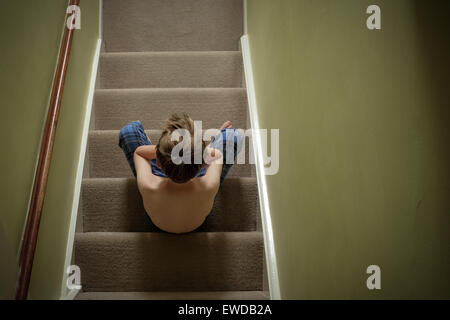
{"x": 163, "y": 56}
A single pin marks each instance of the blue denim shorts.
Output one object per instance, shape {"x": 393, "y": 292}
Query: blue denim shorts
{"x": 133, "y": 136}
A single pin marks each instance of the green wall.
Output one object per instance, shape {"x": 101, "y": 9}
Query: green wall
{"x": 30, "y": 32}
{"x": 364, "y": 158}
{"x": 48, "y": 265}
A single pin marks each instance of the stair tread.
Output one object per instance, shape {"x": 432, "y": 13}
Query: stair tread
{"x": 115, "y": 107}
{"x": 115, "y": 205}
{"x": 187, "y": 295}
{"x": 203, "y": 261}
{"x": 106, "y": 159}
{"x": 194, "y": 25}
{"x": 170, "y": 52}
{"x": 215, "y": 69}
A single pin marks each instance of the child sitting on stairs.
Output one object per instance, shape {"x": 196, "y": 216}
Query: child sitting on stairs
{"x": 179, "y": 196}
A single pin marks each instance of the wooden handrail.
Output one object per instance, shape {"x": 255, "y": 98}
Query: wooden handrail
{"x": 30, "y": 236}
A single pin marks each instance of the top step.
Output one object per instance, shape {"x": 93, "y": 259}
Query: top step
{"x": 172, "y": 25}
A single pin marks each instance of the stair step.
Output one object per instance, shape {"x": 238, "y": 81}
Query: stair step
{"x": 200, "y": 261}
{"x": 217, "y": 295}
{"x": 213, "y": 69}
{"x": 191, "y": 25}
{"x": 116, "y": 107}
{"x": 107, "y": 160}
{"x": 115, "y": 205}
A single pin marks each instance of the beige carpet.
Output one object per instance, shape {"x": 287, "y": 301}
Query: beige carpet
{"x": 200, "y": 295}
{"x": 172, "y": 25}
{"x": 171, "y": 69}
{"x": 166, "y": 56}
{"x": 115, "y": 107}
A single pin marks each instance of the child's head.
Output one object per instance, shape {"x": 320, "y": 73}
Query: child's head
{"x": 179, "y": 173}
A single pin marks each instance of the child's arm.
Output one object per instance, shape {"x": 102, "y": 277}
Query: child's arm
{"x": 214, "y": 169}
{"x": 147, "y": 152}
{"x": 144, "y": 173}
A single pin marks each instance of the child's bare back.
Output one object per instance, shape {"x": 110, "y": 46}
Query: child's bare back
{"x": 178, "y": 208}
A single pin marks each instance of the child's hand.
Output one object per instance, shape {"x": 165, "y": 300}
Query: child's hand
{"x": 213, "y": 155}
{"x": 226, "y": 125}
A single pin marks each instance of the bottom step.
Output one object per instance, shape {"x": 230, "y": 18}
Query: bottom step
{"x": 162, "y": 262}
{"x": 217, "y": 295}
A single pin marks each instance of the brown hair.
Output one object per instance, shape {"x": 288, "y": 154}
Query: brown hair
{"x": 179, "y": 173}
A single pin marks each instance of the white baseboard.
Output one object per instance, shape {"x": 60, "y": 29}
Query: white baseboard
{"x": 65, "y": 293}
{"x": 70, "y": 295}
{"x": 100, "y": 19}
{"x": 269, "y": 247}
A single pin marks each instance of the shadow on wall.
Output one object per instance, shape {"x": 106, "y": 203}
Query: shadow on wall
{"x": 433, "y": 211}
{"x": 433, "y": 32}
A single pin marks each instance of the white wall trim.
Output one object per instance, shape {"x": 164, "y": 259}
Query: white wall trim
{"x": 269, "y": 246}
{"x": 100, "y": 19}
{"x": 71, "y": 294}
{"x": 65, "y": 293}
